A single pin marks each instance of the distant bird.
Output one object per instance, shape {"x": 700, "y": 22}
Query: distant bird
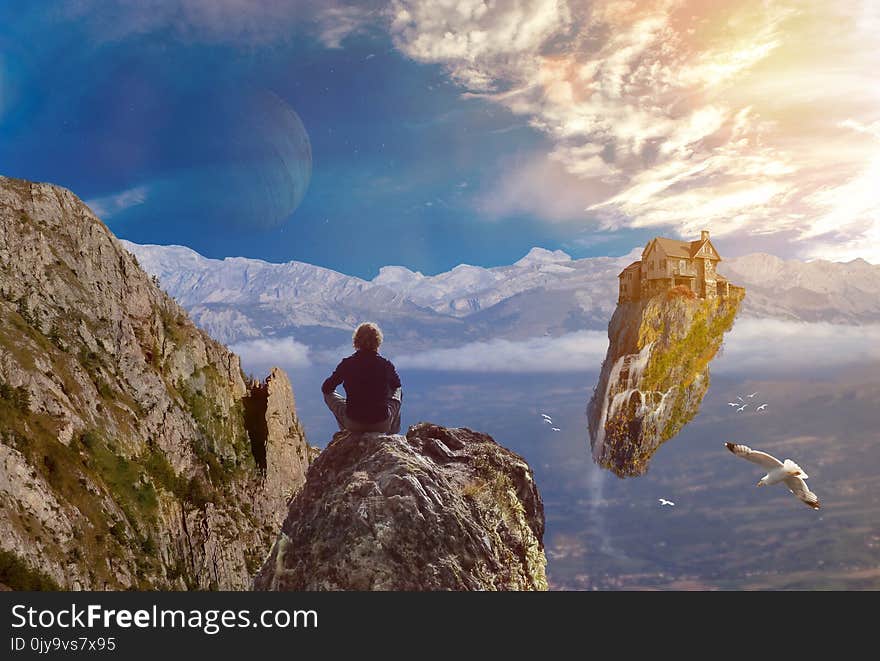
{"x": 732, "y": 404}
{"x": 742, "y": 408}
{"x": 740, "y": 398}
{"x": 761, "y": 408}
{"x": 663, "y": 502}
{"x": 752, "y": 395}
{"x": 548, "y": 421}
{"x": 544, "y": 415}
{"x": 555, "y": 428}
{"x": 778, "y": 471}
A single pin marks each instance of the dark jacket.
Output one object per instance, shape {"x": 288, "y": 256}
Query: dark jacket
{"x": 369, "y": 381}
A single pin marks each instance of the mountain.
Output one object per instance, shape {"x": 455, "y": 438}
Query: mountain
{"x": 134, "y": 454}
{"x": 834, "y": 292}
{"x": 237, "y": 299}
{"x": 438, "y": 509}
{"x": 543, "y": 294}
{"x": 655, "y": 374}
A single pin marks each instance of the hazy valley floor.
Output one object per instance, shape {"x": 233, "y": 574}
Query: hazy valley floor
{"x": 608, "y": 533}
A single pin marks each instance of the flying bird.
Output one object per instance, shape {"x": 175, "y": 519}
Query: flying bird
{"x": 761, "y": 408}
{"x": 663, "y": 502}
{"x": 732, "y": 404}
{"x": 753, "y": 394}
{"x": 742, "y": 408}
{"x": 740, "y": 398}
{"x": 778, "y": 471}
{"x": 555, "y": 428}
{"x": 548, "y": 421}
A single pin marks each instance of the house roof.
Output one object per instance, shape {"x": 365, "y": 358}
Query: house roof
{"x": 675, "y": 248}
{"x": 636, "y": 264}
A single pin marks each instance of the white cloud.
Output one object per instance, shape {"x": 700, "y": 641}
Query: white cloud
{"x": 771, "y": 345}
{"x": 266, "y": 352}
{"x": 752, "y": 346}
{"x": 575, "y": 352}
{"x": 741, "y": 117}
{"x": 479, "y": 42}
{"x": 335, "y": 23}
{"x": 108, "y": 206}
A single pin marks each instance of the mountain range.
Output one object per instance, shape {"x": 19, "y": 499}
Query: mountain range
{"x": 546, "y": 293}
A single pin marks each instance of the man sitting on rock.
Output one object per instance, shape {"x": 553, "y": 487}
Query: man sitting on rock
{"x": 372, "y": 387}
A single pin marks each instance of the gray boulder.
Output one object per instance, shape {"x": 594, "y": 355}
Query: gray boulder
{"x": 437, "y": 509}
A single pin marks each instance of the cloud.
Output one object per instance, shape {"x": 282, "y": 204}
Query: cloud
{"x": 265, "y": 352}
{"x": 777, "y": 346}
{"x": 573, "y": 352}
{"x": 753, "y": 346}
{"x": 337, "y": 23}
{"x": 743, "y": 117}
{"x": 108, "y": 206}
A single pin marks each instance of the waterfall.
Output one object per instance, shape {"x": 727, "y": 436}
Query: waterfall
{"x": 626, "y": 372}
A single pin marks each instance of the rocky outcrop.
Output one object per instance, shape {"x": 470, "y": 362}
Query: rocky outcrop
{"x": 655, "y": 374}
{"x": 437, "y": 509}
{"x": 126, "y": 456}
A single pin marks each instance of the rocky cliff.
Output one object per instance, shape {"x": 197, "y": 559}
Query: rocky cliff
{"x": 655, "y": 374}
{"x": 437, "y": 509}
{"x": 133, "y": 452}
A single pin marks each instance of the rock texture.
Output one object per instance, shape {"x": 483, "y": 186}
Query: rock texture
{"x": 127, "y": 456}
{"x": 655, "y": 374}
{"x": 437, "y": 509}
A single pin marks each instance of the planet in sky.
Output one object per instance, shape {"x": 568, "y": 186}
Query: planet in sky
{"x": 243, "y": 164}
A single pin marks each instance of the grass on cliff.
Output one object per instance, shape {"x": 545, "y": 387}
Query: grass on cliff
{"x": 226, "y": 449}
{"x": 689, "y": 355}
{"x": 17, "y": 575}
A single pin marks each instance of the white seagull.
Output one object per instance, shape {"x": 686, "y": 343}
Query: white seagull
{"x": 555, "y": 428}
{"x": 544, "y": 415}
{"x": 732, "y": 404}
{"x": 548, "y": 421}
{"x": 742, "y": 408}
{"x": 740, "y": 398}
{"x": 663, "y": 502}
{"x": 752, "y": 395}
{"x": 761, "y": 408}
{"x": 778, "y": 471}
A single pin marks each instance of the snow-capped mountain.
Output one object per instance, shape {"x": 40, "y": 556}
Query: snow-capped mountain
{"x": 835, "y": 292}
{"x": 543, "y": 294}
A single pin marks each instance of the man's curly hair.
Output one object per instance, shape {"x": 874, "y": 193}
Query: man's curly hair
{"x": 367, "y": 336}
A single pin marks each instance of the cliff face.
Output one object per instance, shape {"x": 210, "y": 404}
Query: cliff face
{"x": 127, "y": 459}
{"x": 655, "y": 375}
{"x": 437, "y": 509}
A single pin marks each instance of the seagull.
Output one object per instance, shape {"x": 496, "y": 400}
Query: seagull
{"x": 732, "y": 404}
{"x": 752, "y": 395}
{"x": 742, "y": 408}
{"x": 555, "y": 428}
{"x": 663, "y": 502}
{"x": 761, "y": 408}
{"x": 778, "y": 471}
{"x": 740, "y": 398}
{"x": 548, "y": 421}
{"x": 546, "y": 417}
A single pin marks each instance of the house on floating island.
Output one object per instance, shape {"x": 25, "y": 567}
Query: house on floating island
{"x": 667, "y": 263}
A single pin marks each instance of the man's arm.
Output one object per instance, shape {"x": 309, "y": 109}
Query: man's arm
{"x": 393, "y": 378}
{"x": 333, "y": 380}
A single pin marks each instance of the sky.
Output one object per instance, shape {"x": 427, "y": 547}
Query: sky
{"x": 428, "y": 133}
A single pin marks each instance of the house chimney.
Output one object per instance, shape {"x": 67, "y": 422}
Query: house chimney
{"x": 704, "y": 235}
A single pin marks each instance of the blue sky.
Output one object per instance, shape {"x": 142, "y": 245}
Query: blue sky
{"x": 440, "y": 133}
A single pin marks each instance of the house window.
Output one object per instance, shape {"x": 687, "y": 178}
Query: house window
{"x": 662, "y": 263}
{"x": 682, "y": 265}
